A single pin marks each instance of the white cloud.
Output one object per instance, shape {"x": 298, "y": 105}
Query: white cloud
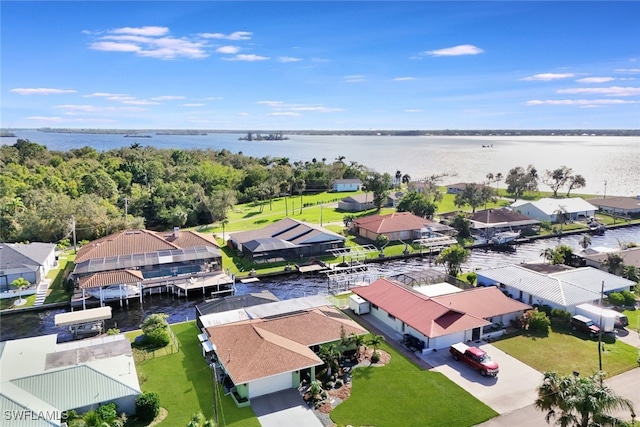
{"x": 238, "y": 35}
{"x": 356, "y": 78}
{"x": 228, "y": 49}
{"x": 611, "y": 91}
{"x": 41, "y": 91}
{"x": 596, "y": 80}
{"x": 317, "y": 109}
{"x": 271, "y": 103}
{"x": 285, "y": 114}
{"x": 94, "y": 109}
{"x": 193, "y": 105}
{"x": 142, "y": 31}
{"x": 403, "y": 79}
{"x": 121, "y": 98}
{"x": 212, "y": 98}
{"x": 103, "y": 95}
{"x": 288, "y": 59}
{"x": 247, "y": 57}
{"x": 139, "y": 102}
{"x": 45, "y": 119}
{"x": 413, "y": 110}
{"x": 167, "y": 97}
{"x": 580, "y": 102}
{"x": 549, "y": 76}
{"x": 243, "y": 114}
{"x": 464, "y": 49}
{"x": 628, "y": 70}
{"x": 153, "y": 42}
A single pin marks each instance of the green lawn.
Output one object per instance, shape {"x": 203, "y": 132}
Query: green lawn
{"x": 184, "y": 382}
{"x": 634, "y": 320}
{"x": 401, "y": 394}
{"x": 565, "y": 351}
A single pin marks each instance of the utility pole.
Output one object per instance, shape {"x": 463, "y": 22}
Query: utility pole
{"x": 600, "y": 334}
{"x": 126, "y": 207}
{"x": 73, "y": 227}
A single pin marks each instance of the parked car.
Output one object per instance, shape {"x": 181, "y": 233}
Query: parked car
{"x": 476, "y": 358}
{"x": 584, "y": 324}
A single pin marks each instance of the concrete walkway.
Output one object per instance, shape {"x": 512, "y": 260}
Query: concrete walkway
{"x": 41, "y": 292}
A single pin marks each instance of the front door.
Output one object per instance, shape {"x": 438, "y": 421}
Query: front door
{"x": 475, "y": 334}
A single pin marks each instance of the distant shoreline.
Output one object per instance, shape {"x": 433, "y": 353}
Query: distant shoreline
{"x": 382, "y": 133}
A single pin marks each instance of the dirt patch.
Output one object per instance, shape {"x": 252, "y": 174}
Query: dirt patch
{"x": 161, "y": 416}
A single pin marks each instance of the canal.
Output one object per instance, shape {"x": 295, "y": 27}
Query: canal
{"x": 179, "y": 309}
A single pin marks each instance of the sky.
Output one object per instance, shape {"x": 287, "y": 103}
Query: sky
{"x": 297, "y": 65}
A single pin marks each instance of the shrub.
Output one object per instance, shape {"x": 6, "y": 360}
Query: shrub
{"x": 547, "y": 309}
{"x": 148, "y": 406}
{"x": 629, "y": 298}
{"x": 329, "y": 385}
{"x": 558, "y": 313}
{"x": 539, "y": 322}
{"x": 113, "y": 331}
{"x": 375, "y": 357}
{"x": 616, "y": 299}
{"x": 157, "y": 338}
{"x": 339, "y": 383}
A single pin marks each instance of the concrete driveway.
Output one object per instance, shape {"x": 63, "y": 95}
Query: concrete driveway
{"x": 284, "y": 408}
{"x": 514, "y": 387}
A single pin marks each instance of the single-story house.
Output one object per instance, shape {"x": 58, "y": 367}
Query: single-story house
{"x": 562, "y": 289}
{"x": 30, "y": 261}
{"x": 348, "y": 184}
{"x": 394, "y": 198}
{"x": 77, "y": 375}
{"x": 630, "y": 256}
{"x": 548, "y": 209}
{"x": 459, "y": 187}
{"x": 420, "y": 186}
{"x": 271, "y": 347}
{"x": 287, "y": 239}
{"x": 501, "y": 220}
{"x": 400, "y": 226}
{"x": 618, "y": 205}
{"x": 357, "y": 203}
{"x": 154, "y": 254}
{"x": 441, "y": 320}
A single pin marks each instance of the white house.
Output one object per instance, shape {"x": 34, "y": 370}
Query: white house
{"x": 548, "y": 209}
{"x": 440, "y": 320}
{"x": 30, "y": 261}
{"x": 348, "y": 184}
{"x": 563, "y": 289}
{"x": 76, "y": 375}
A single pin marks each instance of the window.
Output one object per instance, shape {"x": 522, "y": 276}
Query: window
{"x": 374, "y": 306}
{"x": 391, "y": 316}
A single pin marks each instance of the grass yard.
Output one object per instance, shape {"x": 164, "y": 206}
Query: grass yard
{"x": 184, "y": 382}
{"x": 634, "y": 320}
{"x": 565, "y": 351}
{"x": 401, "y": 394}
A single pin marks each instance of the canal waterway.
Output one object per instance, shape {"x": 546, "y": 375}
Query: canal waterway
{"x": 179, "y": 309}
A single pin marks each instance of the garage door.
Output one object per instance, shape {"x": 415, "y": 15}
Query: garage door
{"x": 446, "y": 340}
{"x": 270, "y": 385}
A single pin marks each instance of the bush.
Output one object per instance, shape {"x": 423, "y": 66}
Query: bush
{"x": 157, "y": 338}
{"x": 547, "y": 309}
{"x": 558, "y": 313}
{"x": 616, "y": 299}
{"x": 375, "y": 357}
{"x": 148, "y": 406}
{"x": 113, "y": 331}
{"x": 629, "y": 298}
{"x": 539, "y": 322}
{"x": 339, "y": 384}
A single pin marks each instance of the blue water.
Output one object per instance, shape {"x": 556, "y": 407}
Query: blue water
{"x": 609, "y": 164}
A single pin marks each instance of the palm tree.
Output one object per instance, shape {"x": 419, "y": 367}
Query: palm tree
{"x": 614, "y": 263}
{"x": 498, "y": 178}
{"x": 398, "y": 178}
{"x": 20, "y": 283}
{"x": 631, "y": 272}
{"x": 406, "y": 178}
{"x": 490, "y": 178}
{"x": 585, "y": 241}
{"x": 579, "y": 401}
{"x": 375, "y": 342}
{"x": 547, "y": 254}
{"x": 453, "y": 257}
{"x": 330, "y": 356}
{"x": 358, "y": 341}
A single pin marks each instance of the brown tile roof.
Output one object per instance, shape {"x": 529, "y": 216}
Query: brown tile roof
{"x": 397, "y": 221}
{"x": 442, "y": 315}
{"x": 503, "y": 215}
{"x": 287, "y": 229}
{"x": 130, "y": 242}
{"x": 116, "y": 277}
{"x": 260, "y": 348}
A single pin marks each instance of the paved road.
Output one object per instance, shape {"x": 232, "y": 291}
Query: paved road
{"x": 625, "y": 384}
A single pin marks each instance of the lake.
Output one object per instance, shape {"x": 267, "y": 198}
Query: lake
{"x": 610, "y": 164}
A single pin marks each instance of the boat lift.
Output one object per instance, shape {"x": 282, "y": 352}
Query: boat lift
{"x": 84, "y": 322}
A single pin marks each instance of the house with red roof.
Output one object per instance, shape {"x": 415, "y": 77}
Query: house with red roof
{"x": 129, "y": 257}
{"x": 399, "y": 226}
{"x": 442, "y": 320}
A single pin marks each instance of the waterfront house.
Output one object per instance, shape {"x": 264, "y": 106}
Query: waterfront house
{"x": 78, "y": 375}
{"x": 230, "y": 303}
{"x": 31, "y": 261}
{"x": 445, "y": 317}
{"x": 630, "y": 256}
{"x": 503, "y": 219}
{"x": 618, "y": 205}
{"x": 548, "y": 209}
{"x": 154, "y": 254}
{"x": 272, "y": 347}
{"x": 287, "y": 239}
{"x": 459, "y": 187}
{"x": 348, "y": 184}
{"x": 403, "y": 226}
{"x": 563, "y": 288}
{"x": 357, "y": 203}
